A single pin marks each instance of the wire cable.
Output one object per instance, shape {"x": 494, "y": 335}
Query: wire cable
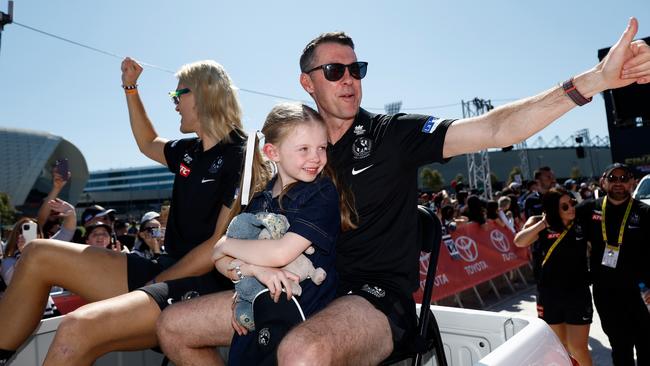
{"x": 120, "y": 57}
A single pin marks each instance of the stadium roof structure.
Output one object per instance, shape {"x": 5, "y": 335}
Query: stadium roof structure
{"x": 27, "y": 157}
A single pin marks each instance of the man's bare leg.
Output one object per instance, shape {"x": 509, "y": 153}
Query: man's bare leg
{"x": 189, "y": 331}
{"x": 349, "y": 331}
{"x": 126, "y": 322}
{"x": 93, "y": 273}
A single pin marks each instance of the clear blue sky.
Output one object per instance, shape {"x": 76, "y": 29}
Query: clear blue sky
{"x": 424, "y": 53}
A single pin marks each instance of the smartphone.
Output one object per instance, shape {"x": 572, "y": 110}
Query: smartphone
{"x": 155, "y": 232}
{"x": 62, "y": 168}
{"x": 29, "y": 231}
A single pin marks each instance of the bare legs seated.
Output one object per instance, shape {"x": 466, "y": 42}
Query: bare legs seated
{"x": 126, "y": 322}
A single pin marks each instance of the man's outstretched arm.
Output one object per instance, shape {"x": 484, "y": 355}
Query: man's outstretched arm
{"x": 627, "y": 62}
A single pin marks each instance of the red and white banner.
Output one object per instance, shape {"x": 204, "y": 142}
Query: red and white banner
{"x": 473, "y": 254}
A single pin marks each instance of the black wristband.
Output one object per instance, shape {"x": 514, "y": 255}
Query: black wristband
{"x": 130, "y": 87}
{"x": 574, "y": 94}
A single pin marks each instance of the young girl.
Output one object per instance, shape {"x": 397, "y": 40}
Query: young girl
{"x": 304, "y": 191}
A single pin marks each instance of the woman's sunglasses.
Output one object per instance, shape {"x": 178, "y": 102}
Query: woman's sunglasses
{"x": 334, "y": 72}
{"x": 176, "y": 95}
{"x": 565, "y": 206}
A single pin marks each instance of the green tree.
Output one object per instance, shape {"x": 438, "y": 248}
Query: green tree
{"x": 7, "y": 211}
{"x": 575, "y": 173}
{"x": 516, "y": 170}
{"x": 493, "y": 179}
{"x": 431, "y": 179}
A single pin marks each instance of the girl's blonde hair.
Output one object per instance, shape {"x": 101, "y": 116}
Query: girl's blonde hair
{"x": 216, "y": 100}
{"x": 280, "y": 121}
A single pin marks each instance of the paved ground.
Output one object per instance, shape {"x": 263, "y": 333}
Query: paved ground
{"x": 523, "y": 302}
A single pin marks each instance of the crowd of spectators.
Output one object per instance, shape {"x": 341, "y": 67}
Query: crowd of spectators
{"x": 510, "y": 206}
{"x": 96, "y": 226}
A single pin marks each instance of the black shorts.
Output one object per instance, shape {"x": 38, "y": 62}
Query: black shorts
{"x": 398, "y": 308}
{"x": 570, "y": 306}
{"x": 140, "y": 270}
{"x": 168, "y": 292}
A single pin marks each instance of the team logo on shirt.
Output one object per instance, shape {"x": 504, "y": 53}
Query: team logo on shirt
{"x": 431, "y": 124}
{"x": 187, "y": 158}
{"x": 183, "y": 170}
{"x": 264, "y": 337}
{"x": 359, "y": 130}
{"x": 374, "y": 290}
{"x": 579, "y": 234}
{"x": 362, "y": 147}
{"x": 216, "y": 165}
{"x": 634, "y": 220}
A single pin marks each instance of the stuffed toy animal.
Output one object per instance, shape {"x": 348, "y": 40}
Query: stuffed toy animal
{"x": 265, "y": 225}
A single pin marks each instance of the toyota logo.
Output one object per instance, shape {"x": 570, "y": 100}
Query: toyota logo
{"x": 467, "y": 248}
{"x": 499, "y": 241}
{"x": 424, "y": 263}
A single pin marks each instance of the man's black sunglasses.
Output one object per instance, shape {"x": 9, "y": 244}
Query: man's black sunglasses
{"x": 334, "y": 72}
{"x": 618, "y": 178}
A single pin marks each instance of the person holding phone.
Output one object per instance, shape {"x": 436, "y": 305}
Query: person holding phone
{"x": 207, "y": 171}
{"x": 54, "y": 209}
{"x": 148, "y": 243}
{"x": 24, "y": 231}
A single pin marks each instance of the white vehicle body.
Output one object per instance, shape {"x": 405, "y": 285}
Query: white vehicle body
{"x": 642, "y": 191}
{"x": 470, "y": 337}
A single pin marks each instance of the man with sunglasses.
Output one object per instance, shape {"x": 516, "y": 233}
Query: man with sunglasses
{"x": 618, "y": 228}
{"x": 378, "y": 157}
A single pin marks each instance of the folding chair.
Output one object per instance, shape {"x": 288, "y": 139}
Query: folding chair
{"x": 430, "y": 234}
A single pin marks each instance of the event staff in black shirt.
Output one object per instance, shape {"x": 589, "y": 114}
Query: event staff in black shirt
{"x": 378, "y": 156}
{"x": 561, "y": 271}
{"x": 618, "y": 228}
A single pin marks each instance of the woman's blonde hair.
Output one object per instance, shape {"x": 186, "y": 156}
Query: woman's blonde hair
{"x": 216, "y": 100}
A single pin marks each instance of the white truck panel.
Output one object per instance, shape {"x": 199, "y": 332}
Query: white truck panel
{"x": 470, "y": 337}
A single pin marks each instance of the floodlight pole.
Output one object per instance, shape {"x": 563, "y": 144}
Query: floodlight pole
{"x": 6, "y": 18}
{"x": 478, "y": 163}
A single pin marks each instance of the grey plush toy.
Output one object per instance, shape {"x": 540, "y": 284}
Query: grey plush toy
{"x": 265, "y": 225}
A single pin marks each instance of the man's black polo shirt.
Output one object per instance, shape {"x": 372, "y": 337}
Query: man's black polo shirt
{"x": 378, "y": 157}
{"x": 633, "y": 264}
{"x": 204, "y": 182}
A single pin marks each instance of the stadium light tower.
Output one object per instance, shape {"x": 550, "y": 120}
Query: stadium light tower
{"x": 478, "y": 163}
{"x": 393, "y": 108}
{"x": 6, "y": 18}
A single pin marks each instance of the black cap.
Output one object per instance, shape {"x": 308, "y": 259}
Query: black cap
{"x": 272, "y": 322}
{"x": 615, "y": 166}
{"x": 93, "y": 226}
{"x": 94, "y": 211}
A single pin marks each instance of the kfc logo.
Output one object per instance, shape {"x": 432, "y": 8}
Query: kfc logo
{"x": 183, "y": 170}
